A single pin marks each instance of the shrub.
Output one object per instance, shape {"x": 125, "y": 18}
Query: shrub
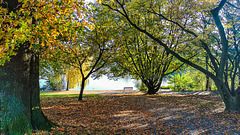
{"x": 141, "y": 86}
{"x": 166, "y": 87}
{"x": 190, "y": 80}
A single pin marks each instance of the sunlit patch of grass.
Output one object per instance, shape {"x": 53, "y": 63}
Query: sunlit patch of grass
{"x": 66, "y": 95}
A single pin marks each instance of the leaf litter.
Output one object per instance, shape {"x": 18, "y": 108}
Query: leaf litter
{"x": 141, "y": 114}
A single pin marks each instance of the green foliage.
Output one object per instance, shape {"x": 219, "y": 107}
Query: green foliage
{"x": 58, "y": 75}
{"x": 181, "y": 82}
{"x": 91, "y": 50}
{"x": 141, "y": 87}
{"x": 189, "y": 81}
{"x": 53, "y": 73}
{"x": 140, "y": 56}
{"x": 50, "y": 85}
{"x": 44, "y": 24}
{"x": 166, "y": 87}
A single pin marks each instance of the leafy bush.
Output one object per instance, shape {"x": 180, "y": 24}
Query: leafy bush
{"x": 166, "y": 87}
{"x": 141, "y": 86}
{"x": 51, "y": 86}
{"x": 188, "y": 81}
{"x": 180, "y": 82}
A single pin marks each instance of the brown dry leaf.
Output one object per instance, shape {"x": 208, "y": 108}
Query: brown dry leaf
{"x": 141, "y": 114}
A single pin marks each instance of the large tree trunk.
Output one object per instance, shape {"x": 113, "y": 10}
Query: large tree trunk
{"x": 152, "y": 89}
{"x": 231, "y": 100}
{"x": 233, "y": 103}
{"x": 38, "y": 119}
{"x": 19, "y": 85}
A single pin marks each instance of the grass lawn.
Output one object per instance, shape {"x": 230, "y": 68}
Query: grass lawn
{"x": 139, "y": 114}
{"x": 53, "y": 94}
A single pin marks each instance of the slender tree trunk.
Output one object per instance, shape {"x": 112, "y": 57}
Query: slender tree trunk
{"x": 19, "y": 85}
{"x": 82, "y": 89}
{"x": 208, "y": 87}
{"x": 67, "y": 89}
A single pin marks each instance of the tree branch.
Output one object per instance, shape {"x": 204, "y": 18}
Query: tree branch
{"x": 161, "y": 43}
{"x": 222, "y": 34}
{"x": 232, "y": 5}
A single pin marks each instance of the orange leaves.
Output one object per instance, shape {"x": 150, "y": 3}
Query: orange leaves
{"x": 40, "y": 21}
{"x": 140, "y": 114}
{"x": 84, "y": 23}
{"x": 99, "y": 1}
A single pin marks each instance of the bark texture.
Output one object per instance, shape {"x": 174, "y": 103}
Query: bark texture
{"x": 152, "y": 91}
{"x": 152, "y": 86}
{"x": 19, "y": 85}
{"x": 231, "y": 100}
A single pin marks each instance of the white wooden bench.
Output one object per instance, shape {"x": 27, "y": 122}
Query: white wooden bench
{"x": 128, "y": 88}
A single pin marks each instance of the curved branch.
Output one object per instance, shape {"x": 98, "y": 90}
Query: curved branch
{"x": 232, "y": 5}
{"x": 161, "y": 43}
{"x": 205, "y": 46}
{"x": 222, "y": 34}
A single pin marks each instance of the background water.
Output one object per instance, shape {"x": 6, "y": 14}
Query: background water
{"x": 104, "y": 83}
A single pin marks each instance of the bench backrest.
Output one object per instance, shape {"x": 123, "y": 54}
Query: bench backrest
{"x": 128, "y": 88}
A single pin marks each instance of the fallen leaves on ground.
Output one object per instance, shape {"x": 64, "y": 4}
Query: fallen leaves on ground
{"x": 141, "y": 114}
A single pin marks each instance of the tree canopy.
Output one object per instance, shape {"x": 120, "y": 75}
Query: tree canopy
{"x": 29, "y": 29}
{"x": 44, "y": 24}
{"x": 196, "y": 12}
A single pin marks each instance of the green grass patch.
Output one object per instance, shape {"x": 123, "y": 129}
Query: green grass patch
{"x": 49, "y": 94}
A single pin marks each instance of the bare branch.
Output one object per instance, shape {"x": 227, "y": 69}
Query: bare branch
{"x": 232, "y": 5}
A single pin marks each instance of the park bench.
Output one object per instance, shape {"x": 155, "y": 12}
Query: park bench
{"x": 128, "y": 88}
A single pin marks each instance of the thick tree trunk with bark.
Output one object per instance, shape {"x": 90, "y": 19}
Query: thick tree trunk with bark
{"x": 38, "y": 119}
{"x": 152, "y": 89}
{"x": 233, "y": 103}
{"x": 231, "y": 100}
{"x": 19, "y": 85}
